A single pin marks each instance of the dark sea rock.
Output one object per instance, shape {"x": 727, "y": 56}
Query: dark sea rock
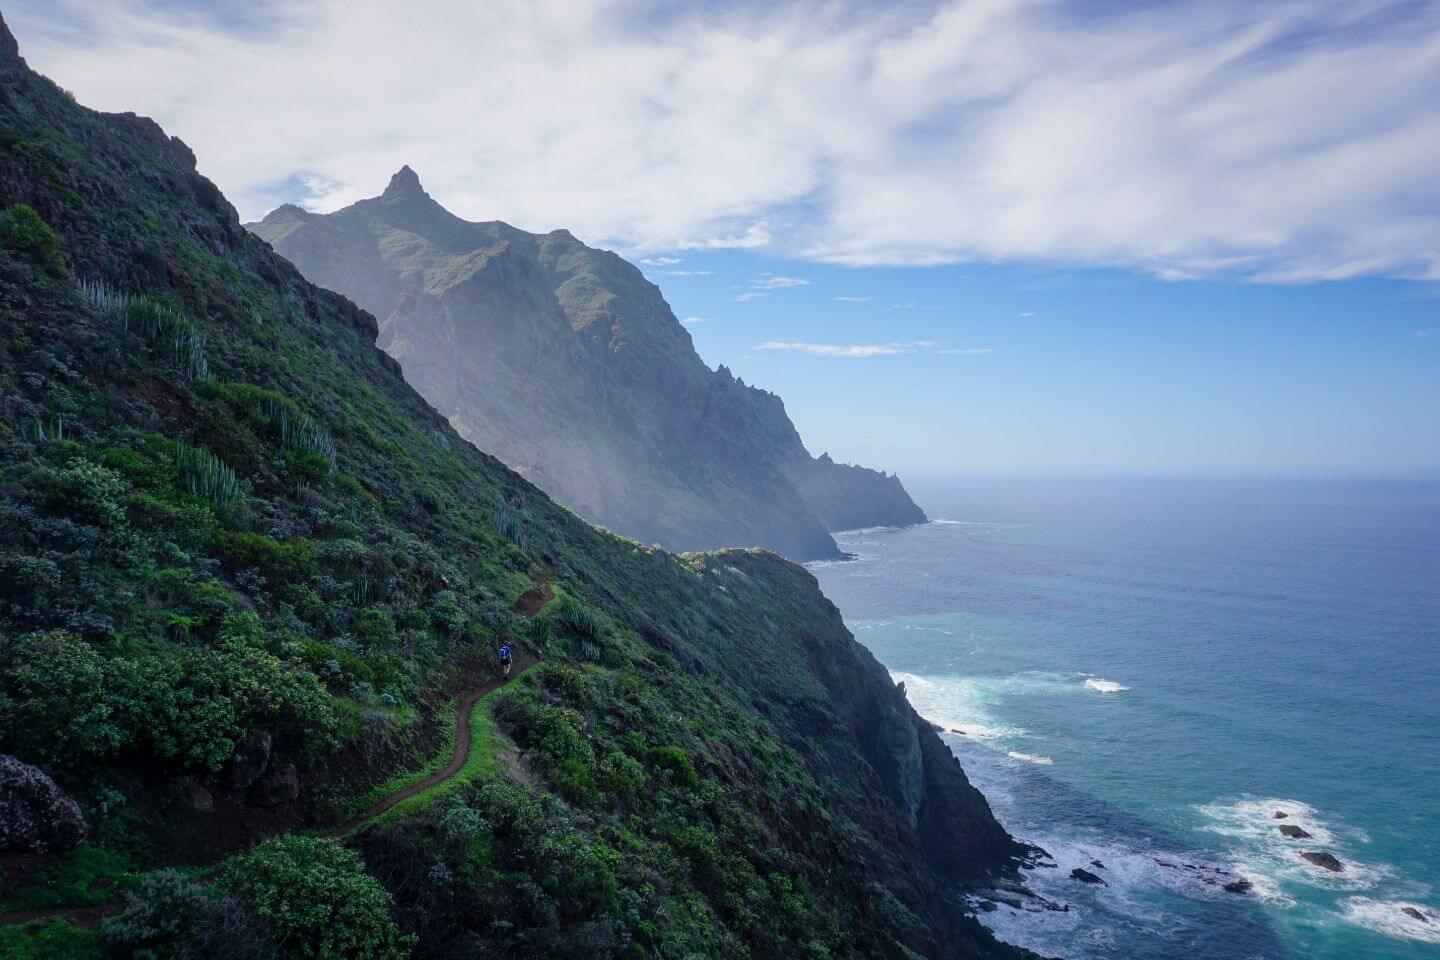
{"x": 36, "y": 816}
{"x": 1097, "y": 863}
{"x": 1239, "y": 886}
{"x": 1293, "y": 832}
{"x": 1280, "y": 815}
{"x": 1322, "y": 858}
{"x": 1414, "y": 914}
{"x": 1085, "y": 876}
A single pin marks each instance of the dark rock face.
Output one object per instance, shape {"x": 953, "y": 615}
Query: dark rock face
{"x": 1293, "y": 832}
{"x": 280, "y": 785}
{"x": 1280, "y": 815}
{"x": 250, "y": 761}
{"x": 1239, "y": 886}
{"x": 1414, "y": 914}
{"x": 568, "y": 365}
{"x": 1085, "y": 876}
{"x": 35, "y": 815}
{"x": 1322, "y": 858}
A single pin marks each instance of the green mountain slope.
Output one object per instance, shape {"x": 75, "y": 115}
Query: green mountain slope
{"x": 247, "y": 572}
{"x": 565, "y": 362}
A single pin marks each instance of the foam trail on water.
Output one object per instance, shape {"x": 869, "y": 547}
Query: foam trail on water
{"x": 1105, "y": 686}
{"x": 1030, "y": 758}
{"x": 1389, "y": 917}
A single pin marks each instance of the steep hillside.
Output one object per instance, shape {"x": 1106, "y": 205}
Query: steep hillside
{"x": 566, "y": 363}
{"x": 251, "y": 585}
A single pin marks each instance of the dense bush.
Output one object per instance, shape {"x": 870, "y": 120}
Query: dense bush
{"x": 174, "y": 917}
{"x": 22, "y": 231}
{"x": 318, "y": 899}
{"x": 61, "y": 700}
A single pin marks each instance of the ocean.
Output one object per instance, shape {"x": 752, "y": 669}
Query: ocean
{"x": 1143, "y": 673}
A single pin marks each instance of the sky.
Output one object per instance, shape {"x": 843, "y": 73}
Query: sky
{"x": 957, "y": 236}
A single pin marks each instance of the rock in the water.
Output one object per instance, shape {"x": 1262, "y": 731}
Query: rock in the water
{"x": 1097, "y": 863}
{"x": 1239, "y": 886}
{"x": 1280, "y": 814}
{"x": 281, "y": 785}
{"x": 1322, "y": 858}
{"x": 250, "y": 761}
{"x": 1085, "y": 876}
{"x": 1293, "y": 832}
{"x": 35, "y": 815}
{"x": 989, "y": 906}
{"x": 1414, "y": 914}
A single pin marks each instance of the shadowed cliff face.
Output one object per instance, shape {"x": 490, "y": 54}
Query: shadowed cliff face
{"x": 567, "y": 363}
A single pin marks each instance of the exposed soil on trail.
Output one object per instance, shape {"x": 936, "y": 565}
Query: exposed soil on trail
{"x": 458, "y": 757}
{"x": 90, "y": 917}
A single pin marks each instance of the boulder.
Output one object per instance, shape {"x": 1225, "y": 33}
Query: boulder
{"x": 191, "y": 794}
{"x": 1322, "y": 858}
{"x": 1085, "y": 876}
{"x": 35, "y": 815}
{"x": 1280, "y": 815}
{"x": 1293, "y": 832}
{"x": 249, "y": 762}
{"x": 1414, "y": 914}
{"x": 280, "y": 785}
{"x": 1239, "y": 886}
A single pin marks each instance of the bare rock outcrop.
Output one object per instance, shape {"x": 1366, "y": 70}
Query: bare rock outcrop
{"x": 36, "y": 816}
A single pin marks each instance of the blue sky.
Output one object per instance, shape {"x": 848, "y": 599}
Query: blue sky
{"x": 1190, "y": 237}
{"x": 1087, "y": 370}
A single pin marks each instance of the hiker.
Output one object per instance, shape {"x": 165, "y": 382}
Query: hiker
{"x": 505, "y": 658}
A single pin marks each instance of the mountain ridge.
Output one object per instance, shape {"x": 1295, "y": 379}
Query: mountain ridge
{"x": 568, "y": 364}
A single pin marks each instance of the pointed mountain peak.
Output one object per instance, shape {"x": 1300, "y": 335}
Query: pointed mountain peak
{"x": 9, "y": 49}
{"x": 405, "y": 184}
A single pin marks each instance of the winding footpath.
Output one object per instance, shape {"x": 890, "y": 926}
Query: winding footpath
{"x": 89, "y": 917}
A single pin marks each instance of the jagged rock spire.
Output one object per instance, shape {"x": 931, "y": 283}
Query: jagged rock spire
{"x": 405, "y": 183}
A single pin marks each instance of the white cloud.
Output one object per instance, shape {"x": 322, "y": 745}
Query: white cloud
{"x": 749, "y": 295}
{"x": 859, "y": 350}
{"x": 1027, "y": 313}
{"x": 660, "y": 261}
{"x": 852, "y": 299}
{"x": 770, "y": 281}
{"x": 1284, "y": 141}
{"x": 691, "y": 321}
{"x": 687, "y": 273}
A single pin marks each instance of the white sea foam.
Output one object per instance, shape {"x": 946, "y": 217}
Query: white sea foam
{"x": 1388, "y": 917}
{"x": 1105, "y": 686}
{"x": 1030, "y": 758}
{"x": 1272, "y": 861}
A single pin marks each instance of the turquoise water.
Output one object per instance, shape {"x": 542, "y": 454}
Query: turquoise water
{"x": 1144, "y": 672}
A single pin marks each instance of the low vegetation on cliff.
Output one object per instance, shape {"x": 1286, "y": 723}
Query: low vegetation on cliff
{"x": 247, "y": 571}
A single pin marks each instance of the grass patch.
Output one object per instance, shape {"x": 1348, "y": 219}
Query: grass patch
{"x": 49, "y": 940}
{"x": 400, "y": 781}
{"x": 480, "y": 765}
{"x": 84, "y": 877}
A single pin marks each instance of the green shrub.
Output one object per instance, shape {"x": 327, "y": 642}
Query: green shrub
{"x": 678, "y": 763}
{"x": 62, "y": 701}
{"x": 172, "y": 916}
{"x": 375, "y": 628}
{"x": 621, "y": 775}
{"x": 86, "y": 492}
{"x": 293, "y": 560}
{"x": 23, "y": 232}
{"x": 319, "y": 900}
